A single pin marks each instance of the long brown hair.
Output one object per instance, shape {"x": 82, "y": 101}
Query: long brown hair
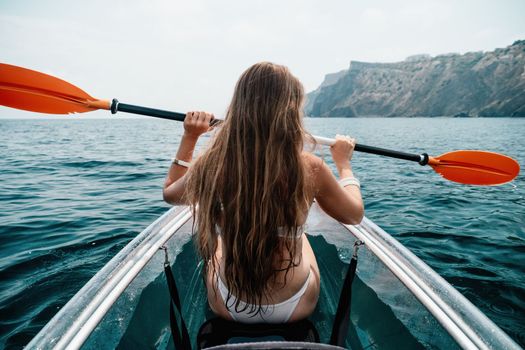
{"x": 249, "y": 185}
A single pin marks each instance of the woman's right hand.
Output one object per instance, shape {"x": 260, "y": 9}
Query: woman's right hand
{"x": 342, "y": 150}
{"x": 197, "y": 123}
{"x": 343, "y": 204}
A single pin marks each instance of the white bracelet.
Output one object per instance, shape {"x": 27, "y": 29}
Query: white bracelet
{"x": 350, "y": 181}
{"x": 181, "y": 163}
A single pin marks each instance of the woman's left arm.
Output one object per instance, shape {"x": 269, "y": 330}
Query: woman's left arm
{"x": 195, "y": 124}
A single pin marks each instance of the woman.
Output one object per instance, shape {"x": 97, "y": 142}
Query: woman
{"x": 253, "y": 188}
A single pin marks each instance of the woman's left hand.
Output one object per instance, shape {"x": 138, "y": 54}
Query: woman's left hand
{"x": 197, "y": 123}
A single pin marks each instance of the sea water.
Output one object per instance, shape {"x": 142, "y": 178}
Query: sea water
{"x": 74, "y": 191}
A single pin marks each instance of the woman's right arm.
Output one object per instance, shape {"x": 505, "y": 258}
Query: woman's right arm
{"x": 195, "y": 124}
{"x": 342, "y": 203}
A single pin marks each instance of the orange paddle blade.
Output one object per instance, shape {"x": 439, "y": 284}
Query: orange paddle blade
{"x": 475, "y": 167}
{"x": 29, "y": 90}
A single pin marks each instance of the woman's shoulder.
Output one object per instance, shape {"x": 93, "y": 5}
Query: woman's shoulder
{"x": 313, "y": 166}
{"x": 312, "y": 162}
{"x": 319, "y": 174}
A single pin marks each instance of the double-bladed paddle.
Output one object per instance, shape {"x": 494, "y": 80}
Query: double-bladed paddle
{"x": 29, "y": 90}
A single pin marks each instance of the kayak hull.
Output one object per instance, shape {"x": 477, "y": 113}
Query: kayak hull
{"x": 104, "y": 311}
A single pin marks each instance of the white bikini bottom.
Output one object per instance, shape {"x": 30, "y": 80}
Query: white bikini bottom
{"x": 271, "y": 313}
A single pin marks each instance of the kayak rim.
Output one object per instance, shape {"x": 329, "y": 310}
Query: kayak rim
{"x": 464, "y": 322}
{"x": 73, "y": 324}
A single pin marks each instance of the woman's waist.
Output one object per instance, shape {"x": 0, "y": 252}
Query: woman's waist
{"x": 282, "y": 285}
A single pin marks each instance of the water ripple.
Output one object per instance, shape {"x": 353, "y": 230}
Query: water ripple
{"x": 74, "y": 192}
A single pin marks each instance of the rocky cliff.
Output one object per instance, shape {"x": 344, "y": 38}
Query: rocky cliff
{"x": 477, "y": 84}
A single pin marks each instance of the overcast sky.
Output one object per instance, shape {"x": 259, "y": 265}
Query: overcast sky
{"x": 186, "y": 55}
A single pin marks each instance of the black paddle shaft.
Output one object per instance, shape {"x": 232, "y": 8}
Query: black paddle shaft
{"x": 116, "y": 106}
{"x": 419, "y": 158}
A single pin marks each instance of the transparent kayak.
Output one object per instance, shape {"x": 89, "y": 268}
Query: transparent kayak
{"x": 397, "y": 300}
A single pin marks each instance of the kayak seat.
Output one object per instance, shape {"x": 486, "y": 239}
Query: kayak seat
{"x": 218, "y": 331}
